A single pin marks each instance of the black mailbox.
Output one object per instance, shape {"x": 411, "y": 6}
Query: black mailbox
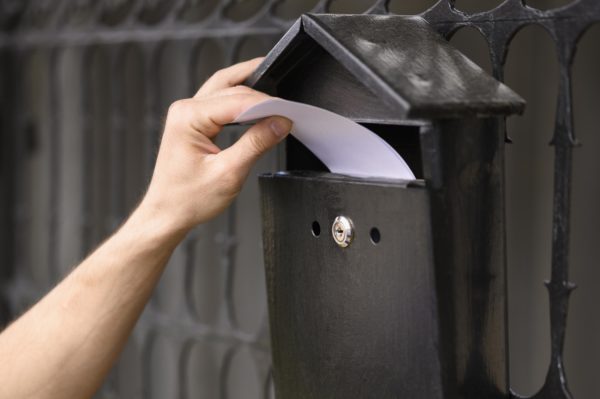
{"x": 415, "y": 305}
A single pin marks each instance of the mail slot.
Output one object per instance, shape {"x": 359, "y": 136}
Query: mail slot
{"x": 382, "y": 288}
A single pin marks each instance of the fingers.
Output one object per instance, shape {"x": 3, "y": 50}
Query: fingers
{"x": 208, "y": 116}
{"x": 227, "y": 92}
{"x": 255, "y": 142}
{"x": 228, "y": 77}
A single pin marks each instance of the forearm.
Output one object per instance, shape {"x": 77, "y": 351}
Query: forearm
{"x": 73, "y": 335}
{"x": 64, "y": 346}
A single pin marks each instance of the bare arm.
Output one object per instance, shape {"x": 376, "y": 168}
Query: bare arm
{"x": 64, "y": 346}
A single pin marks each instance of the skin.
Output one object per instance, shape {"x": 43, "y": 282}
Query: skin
{"x": 65, "y": 345}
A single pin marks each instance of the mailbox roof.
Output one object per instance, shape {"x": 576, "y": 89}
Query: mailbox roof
{"x": 401, "y": 59}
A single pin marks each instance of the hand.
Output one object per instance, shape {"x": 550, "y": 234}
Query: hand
{"x": 194, "y": 180}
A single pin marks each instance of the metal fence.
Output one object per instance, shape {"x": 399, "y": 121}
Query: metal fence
{"x": 85, "y": 85}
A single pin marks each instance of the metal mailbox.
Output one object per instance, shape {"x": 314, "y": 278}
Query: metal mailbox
{"x": 388, "y": 289}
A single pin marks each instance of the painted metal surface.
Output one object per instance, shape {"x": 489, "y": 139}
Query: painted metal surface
{"x": 342, "y": 318}
{"x": 441, "y": 245}
{"x": 401, "y": 61}
{"x": 566, "y": 26}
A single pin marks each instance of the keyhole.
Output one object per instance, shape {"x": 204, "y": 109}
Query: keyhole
{"x": 342, "y": 231}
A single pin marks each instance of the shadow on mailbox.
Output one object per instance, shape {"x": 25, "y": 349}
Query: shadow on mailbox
{"x": 414, "y": 305}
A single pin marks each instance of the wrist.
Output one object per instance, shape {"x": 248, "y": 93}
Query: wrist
{"x": 154, "y": 222}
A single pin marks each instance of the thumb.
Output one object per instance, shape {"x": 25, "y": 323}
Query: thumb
{"x": 257, "y": 140}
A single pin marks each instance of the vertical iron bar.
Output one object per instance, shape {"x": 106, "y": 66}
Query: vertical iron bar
{"x": 151, "y": 54}
{"x": 8, "y": 170}
{"x": 87, "y": 148}
{"x": 55, "y": 166}
{"x": 559, "y": 286}
{"x": 230, "y": 241}
{"x": 117, "y": 136}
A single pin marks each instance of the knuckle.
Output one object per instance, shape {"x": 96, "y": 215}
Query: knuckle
{"x": 176, "y": 108}
{"x": 244, "y": 89}
{"x": 203, "y": 122}
{"x": 219, "y": 73}
{"x": 179, "y": 112}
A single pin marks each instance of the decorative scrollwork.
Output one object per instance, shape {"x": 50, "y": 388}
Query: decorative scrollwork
{"x": 41, "y": 13}
{"x": 566, "y": 25}
{"x": 114, "y": 12}
{"x": 154, "y": 11}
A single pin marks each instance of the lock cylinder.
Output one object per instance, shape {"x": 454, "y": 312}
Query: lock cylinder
{"x": 342, "y": 231}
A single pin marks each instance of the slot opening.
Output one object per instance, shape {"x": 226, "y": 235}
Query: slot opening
{"x": 404, "y": 139}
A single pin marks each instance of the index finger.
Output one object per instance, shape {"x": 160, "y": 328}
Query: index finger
{"x": 208, "y": 116}
{"x": 229, "y": 77}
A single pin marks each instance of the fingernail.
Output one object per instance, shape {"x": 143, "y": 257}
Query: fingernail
{"x": 281, "y": 126}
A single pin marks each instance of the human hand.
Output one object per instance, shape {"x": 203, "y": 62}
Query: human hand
{"x": 194, "y": 180}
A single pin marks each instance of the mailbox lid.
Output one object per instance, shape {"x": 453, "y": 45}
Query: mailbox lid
{"x": 355, "y": 322}
{"x": 398, "y": 66}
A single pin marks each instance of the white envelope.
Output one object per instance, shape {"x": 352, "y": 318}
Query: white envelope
{"x": 344, "y": 146}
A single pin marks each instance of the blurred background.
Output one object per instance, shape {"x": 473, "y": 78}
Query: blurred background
{"x": 85, "y": 86}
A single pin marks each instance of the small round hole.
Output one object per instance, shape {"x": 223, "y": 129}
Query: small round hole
{"x": 316, "y": 229}
{"x": 375, "y": 235}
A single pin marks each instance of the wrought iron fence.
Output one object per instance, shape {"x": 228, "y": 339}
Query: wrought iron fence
{"x": 84, "y": 86}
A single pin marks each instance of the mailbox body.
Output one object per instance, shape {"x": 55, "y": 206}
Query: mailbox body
{"x": 364, "y": 315}
{"x": 422, "y": 314}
